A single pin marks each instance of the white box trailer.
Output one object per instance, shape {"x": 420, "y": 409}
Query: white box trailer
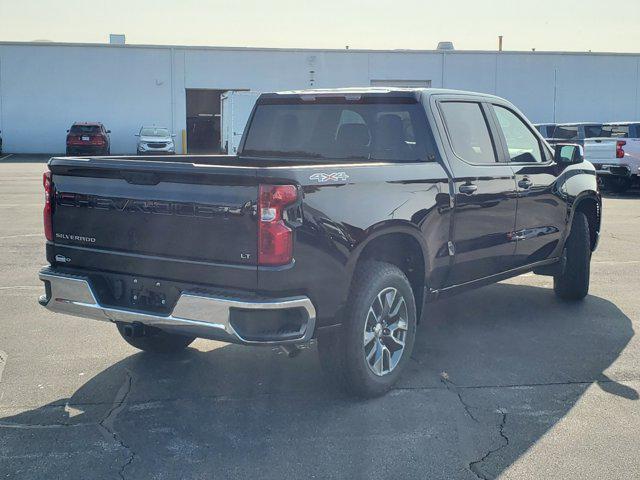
{"x": 235, "y": 107}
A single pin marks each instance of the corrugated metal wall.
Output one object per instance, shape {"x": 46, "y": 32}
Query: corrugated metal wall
{"x": 44, "y": 88}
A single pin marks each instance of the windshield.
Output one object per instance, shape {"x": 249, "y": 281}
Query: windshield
{"x": 341, "y": 130}
{"x": 154, "y": 132}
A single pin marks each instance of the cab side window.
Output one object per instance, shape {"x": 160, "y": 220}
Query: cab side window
{"x": 522, "y": 144}
{"x": 468, "y": 132}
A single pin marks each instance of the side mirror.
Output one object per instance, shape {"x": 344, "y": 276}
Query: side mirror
{"x": 67, "y": 131}
{"x": 173, "y": 134}
{"x": 137, "y": 134}
{"x": 108, "y": 131}
{"x": 568, "y": 153}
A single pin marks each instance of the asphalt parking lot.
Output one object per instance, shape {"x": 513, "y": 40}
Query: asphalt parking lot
{"x": 506, "y": 381}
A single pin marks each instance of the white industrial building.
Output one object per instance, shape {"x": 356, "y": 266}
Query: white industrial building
{"x": 45, "y": 87}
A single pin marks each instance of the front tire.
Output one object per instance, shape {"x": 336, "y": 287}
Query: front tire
{"x": 573, "y": 282}
{"x": 154, "y": 340}
{"x": 368, "y": 353}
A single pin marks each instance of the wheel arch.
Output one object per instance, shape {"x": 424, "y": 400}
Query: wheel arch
{"x": 589, "y": 203}
{"x": 401, "y": 245}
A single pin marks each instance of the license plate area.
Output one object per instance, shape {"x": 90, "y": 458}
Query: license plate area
{"x": 136, "y": 293}
{"x": 85, "y": 139}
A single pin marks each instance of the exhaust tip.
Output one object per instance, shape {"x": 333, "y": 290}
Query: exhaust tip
{"x": 44, "y": 299}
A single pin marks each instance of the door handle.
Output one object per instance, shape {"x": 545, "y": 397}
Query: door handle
{"x": 467, "y": 188}
{"x": 525, "y": 183}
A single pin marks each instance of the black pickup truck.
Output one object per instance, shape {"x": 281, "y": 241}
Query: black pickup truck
{"x": 344, "y": 214}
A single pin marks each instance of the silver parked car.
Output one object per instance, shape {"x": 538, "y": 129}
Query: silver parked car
{"x": 155, "y": 141}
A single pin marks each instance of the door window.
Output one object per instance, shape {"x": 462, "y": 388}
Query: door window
{"x": 468, "y": 131}
{"x": 566, "y": 132}
{"x": 615, "y": 131}
{"x": 522, "y": 144}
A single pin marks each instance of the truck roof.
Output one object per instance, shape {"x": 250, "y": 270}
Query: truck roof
{"x": 577, "y": 124}
{"x": 408, "y": 91}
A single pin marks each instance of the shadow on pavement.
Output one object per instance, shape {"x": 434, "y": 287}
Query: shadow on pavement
{"x": 494, "y": 370}
{"x": 632, "y": 194}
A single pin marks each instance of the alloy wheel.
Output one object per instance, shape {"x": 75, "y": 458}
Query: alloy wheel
{"x": 385, "y": 331}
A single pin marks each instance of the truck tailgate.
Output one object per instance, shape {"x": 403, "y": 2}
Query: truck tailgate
{"x": 600, "y": 150}
{"x": 149, "y": 217}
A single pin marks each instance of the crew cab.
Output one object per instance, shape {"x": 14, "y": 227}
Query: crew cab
{"x": 88, "y": 138}
{"x": 616, "y": 155}
{"x": 344, "y": 214}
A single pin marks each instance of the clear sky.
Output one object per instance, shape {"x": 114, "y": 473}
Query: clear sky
{"x": 403, "y": 24}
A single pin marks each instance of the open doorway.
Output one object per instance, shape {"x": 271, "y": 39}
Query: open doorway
{"x": 203, "y": 120}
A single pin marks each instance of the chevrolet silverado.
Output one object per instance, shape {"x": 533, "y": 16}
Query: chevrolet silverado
{"x": 616, "y": 155}
{"x": 344, "y": 214}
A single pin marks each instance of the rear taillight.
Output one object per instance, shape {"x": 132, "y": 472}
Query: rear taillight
{"x": 47, "y": 213}
{"x": 275, "y": 238}
{"x": 98, "y": 140}
{"x": 619, "y": 149}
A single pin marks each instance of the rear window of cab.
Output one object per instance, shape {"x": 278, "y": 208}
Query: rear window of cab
{"x": 85, "y": 129}
{"x": 370, "y": 129}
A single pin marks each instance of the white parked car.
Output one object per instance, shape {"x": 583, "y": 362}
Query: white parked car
{"x": 155, "y": 141}
{"x": 616, "y": 155}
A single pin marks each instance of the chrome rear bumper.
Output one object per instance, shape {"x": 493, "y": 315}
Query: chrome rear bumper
{"x": 194, "y": 314}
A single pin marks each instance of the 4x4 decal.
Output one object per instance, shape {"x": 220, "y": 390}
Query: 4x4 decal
{"x": 329, "y": 177}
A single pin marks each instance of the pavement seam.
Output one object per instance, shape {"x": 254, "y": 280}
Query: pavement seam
{"x": 107, "y": 423}
{"x": 525, "y": 385}
{"x": 288, "y": 394}
{"x": 41, "y": 426}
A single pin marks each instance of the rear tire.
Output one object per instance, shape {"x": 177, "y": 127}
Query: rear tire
{"x": 368, "y": 353}
{"x": 155, "y": 340}
{"x": 573, "y": 282}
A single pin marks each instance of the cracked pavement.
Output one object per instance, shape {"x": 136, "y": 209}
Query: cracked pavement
{"x": 506, "y": 382}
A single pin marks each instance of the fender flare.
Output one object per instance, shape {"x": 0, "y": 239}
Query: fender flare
{"x": 573, "y": 207}
{"x": 387, "y": 227}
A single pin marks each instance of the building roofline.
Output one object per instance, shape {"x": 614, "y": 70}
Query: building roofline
{"x": 308, "y": 50}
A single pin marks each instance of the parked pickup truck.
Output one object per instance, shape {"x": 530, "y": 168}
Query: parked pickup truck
{"x": 343, "y": 215}
{"x": 616, "y": 155}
